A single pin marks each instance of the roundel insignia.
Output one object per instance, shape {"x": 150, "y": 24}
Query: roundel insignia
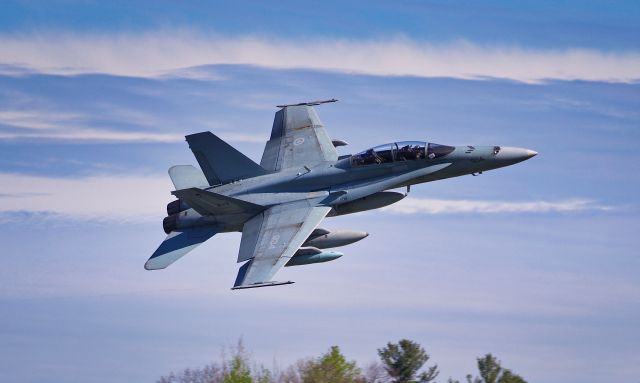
{"x": 298, "y": 141}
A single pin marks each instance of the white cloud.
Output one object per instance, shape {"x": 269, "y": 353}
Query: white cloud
{"x": 43, "y": 124}
{"x": 96, "y": 198}
{"x": 141, "y": 199}
{"x": 169, "y": 53}
{"x": 54, "y": 125}
{"x": 443, "y": 206}
{"x": 37, "y": 120}
{"x": 87, "y": 134}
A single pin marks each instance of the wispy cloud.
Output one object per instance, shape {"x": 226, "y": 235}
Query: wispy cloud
{"x": 443, "y": 206}
{"x": 39, "y": 124}
{"x": 141, "y": 198}
{"x": 87, "y": 134}
{"x": 44, "y": 120}
{"x": 97, "y": 198}
{"x": 53, "y": 125}
{"x": 170, "y": 53}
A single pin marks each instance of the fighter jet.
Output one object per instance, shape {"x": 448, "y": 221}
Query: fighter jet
{"x": 301, "y": 179}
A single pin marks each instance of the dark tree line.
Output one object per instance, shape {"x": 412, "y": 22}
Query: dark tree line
{"x": 402, "y": 362}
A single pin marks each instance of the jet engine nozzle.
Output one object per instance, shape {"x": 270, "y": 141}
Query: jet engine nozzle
{"x": 175, "y": 207}
{"x": 182, "y": 220}
{"x": 170, "y": 223}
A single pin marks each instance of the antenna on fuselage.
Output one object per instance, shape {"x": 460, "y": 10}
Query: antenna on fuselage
{"x": 310, "y": 103}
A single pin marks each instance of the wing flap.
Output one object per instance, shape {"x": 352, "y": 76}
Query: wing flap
{"x": 250, "y": 236}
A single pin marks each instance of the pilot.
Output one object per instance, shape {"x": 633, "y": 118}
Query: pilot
{"x": 373, "y": 156}
{"x": 410, "y": 152}
{"x": 419, "y": 152}
{"x": 404, "y": 153}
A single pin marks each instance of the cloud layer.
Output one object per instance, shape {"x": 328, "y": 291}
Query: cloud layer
{"x": 141, "y": 198}
{"x": 170, "y": 52}
{"x": 97, "y": 198}
{"x": 443, "y": 206}
{"x": 56, "y": 125}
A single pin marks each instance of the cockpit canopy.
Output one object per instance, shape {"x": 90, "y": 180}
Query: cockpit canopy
{"x": 400, "y": 151}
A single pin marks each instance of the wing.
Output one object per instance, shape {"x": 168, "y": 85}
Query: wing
{"x": 270, "y": 239}
{"x": 297, "y": 139}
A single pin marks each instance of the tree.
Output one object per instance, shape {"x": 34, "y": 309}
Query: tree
{"x": 403, "y": 360}
{"x": 211, "y": 373}
{"x": 401, "y": 363}
{"x": 237, "y": 371}
{"x": 489, "y": 368}
{"x": 375, "y": 373}
{"x": 331, "y": 367}
{"x": 492, "y": 372}
{"x": 262, "y": 375}
{"x": 293, "y": 373}
{"x": 469, "y": 377}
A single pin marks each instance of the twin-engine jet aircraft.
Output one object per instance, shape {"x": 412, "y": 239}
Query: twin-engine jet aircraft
{"x": 279, "y": 204}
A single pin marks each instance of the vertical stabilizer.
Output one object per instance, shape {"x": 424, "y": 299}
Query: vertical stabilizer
{"x": 220, "y": 162}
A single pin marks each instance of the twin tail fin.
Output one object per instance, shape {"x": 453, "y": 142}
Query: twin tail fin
{"x": 220, "y": 162}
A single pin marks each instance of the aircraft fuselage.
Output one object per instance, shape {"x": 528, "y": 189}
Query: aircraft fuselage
{"x": 342, "y": 182}
{"x": 301, "y": 179}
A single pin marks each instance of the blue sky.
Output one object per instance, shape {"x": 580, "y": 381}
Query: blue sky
{"x": 536, "y": 263}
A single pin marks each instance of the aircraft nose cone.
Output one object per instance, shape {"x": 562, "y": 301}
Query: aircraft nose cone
{"x": 509, "y": 156}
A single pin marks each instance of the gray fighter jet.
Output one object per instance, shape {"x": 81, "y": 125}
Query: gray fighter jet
{"x": 279, "y": 204}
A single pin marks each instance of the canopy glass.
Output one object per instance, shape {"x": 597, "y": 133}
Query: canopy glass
{"x": 400, "y": 151}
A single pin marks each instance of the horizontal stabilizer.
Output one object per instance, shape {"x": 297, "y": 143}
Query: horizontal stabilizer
{"x": 187, "y": 176}
{"x": 220, "y": 162}
{"x": 177, "y": 244}
{"x": 208, "y": 203}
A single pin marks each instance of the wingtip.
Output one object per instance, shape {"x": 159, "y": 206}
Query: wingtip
{"x": 263, "y": 284}
{"x": 148, "y": 266}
